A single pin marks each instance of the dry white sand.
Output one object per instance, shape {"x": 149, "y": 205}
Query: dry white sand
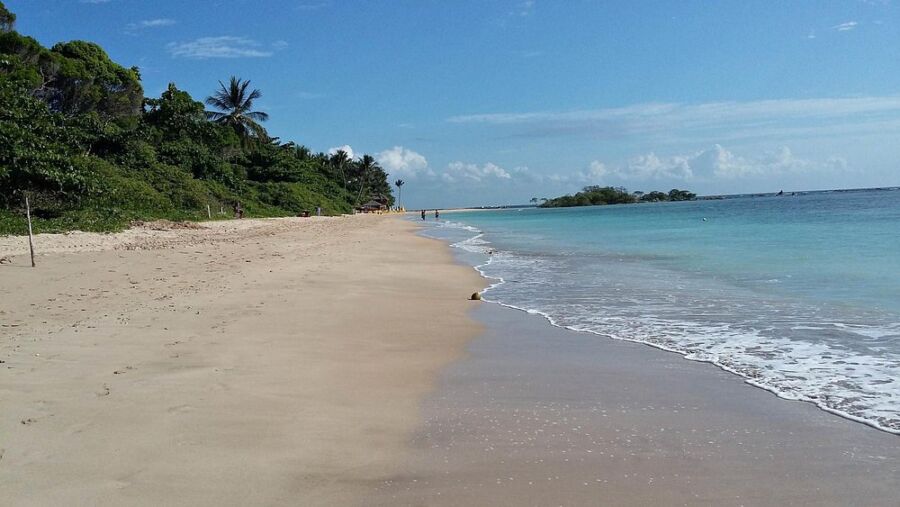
{"x": 253, "y": 362}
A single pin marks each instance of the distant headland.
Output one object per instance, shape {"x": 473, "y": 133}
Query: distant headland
{"x": 596, "y": 195}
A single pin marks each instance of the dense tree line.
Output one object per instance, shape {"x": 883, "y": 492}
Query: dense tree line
{"x": 596, "y": 195}
{"x": 80, "y": 139}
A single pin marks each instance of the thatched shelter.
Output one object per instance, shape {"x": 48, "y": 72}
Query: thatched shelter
{"x": 372, "y": 207}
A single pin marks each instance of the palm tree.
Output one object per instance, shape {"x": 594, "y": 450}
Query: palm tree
{"x": 339, "y": 160}
{"x": 399, "y": 184}
{"x": 235, "y": 106}
{"x": 366, "y": 164}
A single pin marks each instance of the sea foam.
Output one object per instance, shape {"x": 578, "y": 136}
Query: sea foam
{"x": 766, "y": 341}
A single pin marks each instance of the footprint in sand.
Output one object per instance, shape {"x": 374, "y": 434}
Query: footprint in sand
{"x": 78, "y": 428}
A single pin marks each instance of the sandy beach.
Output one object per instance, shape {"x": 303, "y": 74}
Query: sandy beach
{"x": 336, "y": 361}
{"x": 271, "y": 362}
{"x": 500, "y": 253}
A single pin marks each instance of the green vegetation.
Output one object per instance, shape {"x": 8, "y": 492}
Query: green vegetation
{"x": 7, "y": 19}
{"x": 596, "y": 195}
{"x": 237, "y": 104}
{"x": 92, "y": 153}
{"x": 673, "y": 195}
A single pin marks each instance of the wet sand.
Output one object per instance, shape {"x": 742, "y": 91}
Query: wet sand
{"x": 537, "y": 415}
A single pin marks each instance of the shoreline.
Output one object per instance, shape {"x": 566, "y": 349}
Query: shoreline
{"x": 494, "y": 282}
{"x": 337, "y": 361}
{"x": 255, "y": 362}
{"x": 749, "y": 381}
{"x": 536, "y": 414}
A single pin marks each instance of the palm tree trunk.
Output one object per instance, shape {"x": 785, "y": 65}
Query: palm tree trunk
{"x": 343, "y": 174}
{"x": 362, "y": 186}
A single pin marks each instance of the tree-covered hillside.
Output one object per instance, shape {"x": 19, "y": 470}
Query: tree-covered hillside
{"x": 80, "y": 139}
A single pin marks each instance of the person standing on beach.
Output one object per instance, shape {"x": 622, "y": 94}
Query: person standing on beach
{"x": 423, "y": 214}
{"x": 437, "y": 215}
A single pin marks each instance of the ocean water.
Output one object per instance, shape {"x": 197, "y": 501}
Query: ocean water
{"x": 799, "y": 294}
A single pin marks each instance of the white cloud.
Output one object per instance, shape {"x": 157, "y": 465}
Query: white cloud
{"x": 279, "y": 45}
{"x": 523, "y": 173}
{"x": 597, "y": 170}
{"x": 703, "y": 114}
{"x": 846, "y": 27}
{"x": 403, "y": 162}
{"x": 650, "y": 166}
{"x": 718, "y": 120}
{"x": 526, "y": 8}
{"x": 559, "y": 178}
{"x": 836, "y": 164}
{"x": 345, "y": 148}
{"x": 458, "y": 172}
{"x": 715, "y": 163}
{"x": 218, "y": 47}
{"x": 718, "y": 162}
{"x": 724, "y": 164}
{"x": 151, "y": 23}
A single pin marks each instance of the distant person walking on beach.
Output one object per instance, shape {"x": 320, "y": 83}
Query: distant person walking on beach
{"x": 437, "y": 215}
{"x": 423, "y": 214}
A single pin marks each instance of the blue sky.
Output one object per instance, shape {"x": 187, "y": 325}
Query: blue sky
{"x": 494, "y": 102}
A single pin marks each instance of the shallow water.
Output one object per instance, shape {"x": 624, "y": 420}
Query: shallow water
{"x": 798, "y": 294}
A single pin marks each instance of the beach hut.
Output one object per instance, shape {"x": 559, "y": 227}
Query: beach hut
{"x": 372, "y": 206}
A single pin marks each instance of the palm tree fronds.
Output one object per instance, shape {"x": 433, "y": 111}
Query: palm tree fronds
{"x": 234, "y": 104}
{"x": 215, "y": 116}
{"x": 216, "y": 101}
{"x": 257, "y": 115}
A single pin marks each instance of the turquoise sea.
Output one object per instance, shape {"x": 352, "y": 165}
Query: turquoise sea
{"x": 799, "y": 294}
